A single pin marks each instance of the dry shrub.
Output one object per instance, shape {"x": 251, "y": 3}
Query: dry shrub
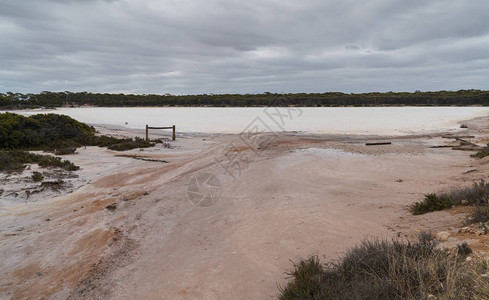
{"x": 379, "y": 269}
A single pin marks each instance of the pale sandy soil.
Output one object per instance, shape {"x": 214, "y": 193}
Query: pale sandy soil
{"x": 296, "y": 195}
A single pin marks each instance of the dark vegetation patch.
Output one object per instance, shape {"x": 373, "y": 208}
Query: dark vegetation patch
{"x": 65, "y": 151}
{"x": 477, "y": 195}
{"x": 379, "y": 269}
{"x": 111, "y": 207}
{"x": 58, "y": 134}
{"x": 464, "y": 249}
{"x": 127, "y": 144}
{"x": 37, "y": 176}
{"x": 143, "y": 158}
{"x": 41, "y": 132}
{"x": 482, "y": 153}
{"x": 431, "y": 202}
{"x": 15, "y": 161}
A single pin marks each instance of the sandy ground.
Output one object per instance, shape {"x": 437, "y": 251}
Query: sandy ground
{"x": 127, "y": 226}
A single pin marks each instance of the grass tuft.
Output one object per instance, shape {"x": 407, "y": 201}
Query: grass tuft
{"x": 308, "y": 281}
{"x": 480, "y": 214}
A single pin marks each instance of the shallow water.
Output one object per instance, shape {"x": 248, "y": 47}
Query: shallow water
{"x": 336, "y": 120}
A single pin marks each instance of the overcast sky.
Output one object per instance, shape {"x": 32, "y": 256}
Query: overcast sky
{"x": 251, "y": 46}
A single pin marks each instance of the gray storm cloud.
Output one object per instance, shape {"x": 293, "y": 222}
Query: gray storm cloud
{"x": 222, "y": 46}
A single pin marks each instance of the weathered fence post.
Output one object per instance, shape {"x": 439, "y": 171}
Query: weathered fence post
{"x": 147, "y": 136}
{"x": 174, "y": 135}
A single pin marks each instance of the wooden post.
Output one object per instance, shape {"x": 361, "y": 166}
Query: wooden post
{"x": 174, "y": 135}
{"x": 377, "y": 144}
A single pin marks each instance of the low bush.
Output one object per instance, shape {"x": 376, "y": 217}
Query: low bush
{"x": 482, "y": 153}
{"x": 56, "y": 133}
{"x": 431, "y": 202}
{"x": 8, "y": 163}
{"x": 308, "y": 281}
{"x": 477, "y": 194}
{"x": 53, "y": 133}
{"x": 65, "y": 151}
{"x": 480, "y": 213}
{"x": 39, "y": 131}
{"x": 128, "y": 144}
{"x": 37, "y": 176}
{"x": 69, "y": 146}
{"x": 14, "y": 161}
{"x": 380, "y": 269}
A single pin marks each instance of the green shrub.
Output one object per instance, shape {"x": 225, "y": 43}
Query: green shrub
{"x": 130, "y": 144}
{"x": 477, "y": 194}
{"x": 14, "y": 161}
{"x": 56, "y": 133}
{"x": 37, "y": 176}
{"x": 65, "y": 151}
{"x": 431, "y": 202}
{"x": 53, "y": 133}
{"x": 8, "y": 163}
{"x": 39, "y": 131}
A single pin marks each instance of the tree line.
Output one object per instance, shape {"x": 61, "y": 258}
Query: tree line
{"x": 57, "y": 99}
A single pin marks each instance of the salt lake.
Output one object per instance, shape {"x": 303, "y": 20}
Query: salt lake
{"x": 335, "y": 120}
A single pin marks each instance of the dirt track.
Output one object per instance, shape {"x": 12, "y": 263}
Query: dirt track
{"x": 294, "y": 196}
